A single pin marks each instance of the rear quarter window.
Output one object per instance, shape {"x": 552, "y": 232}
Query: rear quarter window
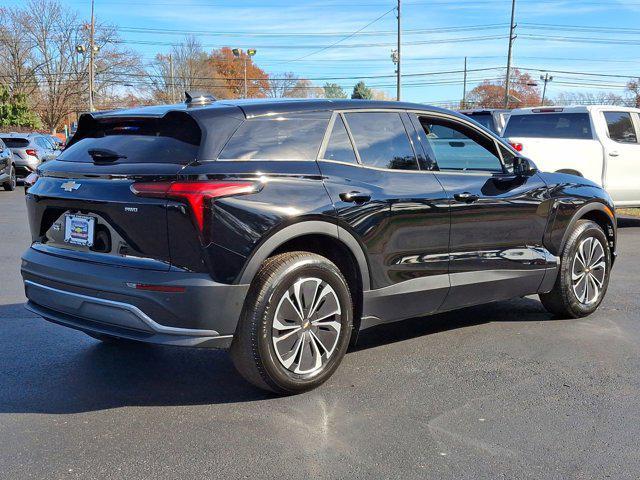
{"x": 173, "y": 138}
{"x": 550, "y": 125}
{"x": 278, "y": 137}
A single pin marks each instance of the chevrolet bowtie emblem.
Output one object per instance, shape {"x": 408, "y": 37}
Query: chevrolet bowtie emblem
{"x": 70, "y": 186}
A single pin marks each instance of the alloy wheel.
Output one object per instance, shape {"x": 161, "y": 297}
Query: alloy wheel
{"x": 306, "y": 326}
{"x": 589, "y": 271}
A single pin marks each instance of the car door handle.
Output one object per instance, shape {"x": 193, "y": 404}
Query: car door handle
{"x": 466, "y": 197}
{"x": 355, "y": 197}
{"x": 613, "y": 154}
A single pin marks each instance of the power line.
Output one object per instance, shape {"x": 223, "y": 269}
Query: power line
{"x": 342, "y": 39}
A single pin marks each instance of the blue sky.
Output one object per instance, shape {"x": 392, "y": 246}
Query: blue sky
{"x": 430, "y": 27}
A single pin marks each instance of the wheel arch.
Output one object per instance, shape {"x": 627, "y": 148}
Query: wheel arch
{"x": 598, "y": 213}
{"x": 297, "y": 233}
{"x": 330, "y": 241}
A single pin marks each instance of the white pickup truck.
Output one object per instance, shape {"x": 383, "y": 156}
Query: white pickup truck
{"x": 600, "y": 143}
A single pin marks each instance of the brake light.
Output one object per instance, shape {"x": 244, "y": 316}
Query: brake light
{"x": 517, "y": 146}
{"x": 32, "y": 152}
{"x": 547, "y": 110}
{"x": 194, "y": 193}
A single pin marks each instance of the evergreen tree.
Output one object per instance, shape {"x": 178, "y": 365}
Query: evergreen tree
{"x": 14, "y": 112}
{"x": 333, "y": 90}
{"x": 362, "y": 92}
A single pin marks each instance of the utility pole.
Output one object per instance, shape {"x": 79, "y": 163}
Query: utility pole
{"x": 512, "y": 37}
{"x": 546, "y": 78}
{"x": 464, "y": 85}
{"x": 91, "y": 57}
{"x": 172, "y": 92}
{"x": 398, "y": 74}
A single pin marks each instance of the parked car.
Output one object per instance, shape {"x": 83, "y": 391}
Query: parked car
{"x": 596, "y": 142}
{"x": 7, "y": 168}
{"x": 58, "y": 143}
{"x": 492, "y": 118}
{"x": 29, "y": 150}
{"x": 282, "y": 229}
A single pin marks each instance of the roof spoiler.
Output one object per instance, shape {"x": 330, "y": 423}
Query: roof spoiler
{"x": 196, "y": 99}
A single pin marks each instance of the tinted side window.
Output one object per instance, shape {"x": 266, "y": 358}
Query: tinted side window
{"x": 621, "y": 127}
{"x": 290, "y": 137}
{"x": 550, "y": 125}
{"x": 339, "y": 147}
{"x": 382, "y": 140}
{"x": 459, "y": 147}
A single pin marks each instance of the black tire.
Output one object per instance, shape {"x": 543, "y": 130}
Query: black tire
{"x": 562, "y": 301}
{"x": 103, "y": 337}
{"x": 253, "y": 351}
{"x": 10, "y": 185}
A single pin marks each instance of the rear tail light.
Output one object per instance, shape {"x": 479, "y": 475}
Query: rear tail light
{"x": 518, "y": 146}
{"x": 194, "y": 193}
{"x": 32, "y": 152}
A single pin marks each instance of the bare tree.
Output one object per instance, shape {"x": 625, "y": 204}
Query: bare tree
{"x": 583, "y": 98}
{"x": 17, "y": 67}
{"x": 633, "y": 89}
{"x": 61, "y": 73}
{"x": 281, "y": 85}
{"x": 304, "y": 88}
{"x": 192, "y": 70}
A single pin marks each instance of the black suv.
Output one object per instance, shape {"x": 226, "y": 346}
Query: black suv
{"x": 280, "y": 229}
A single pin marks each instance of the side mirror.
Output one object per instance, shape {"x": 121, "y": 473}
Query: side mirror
{"x": 524, "y": 167}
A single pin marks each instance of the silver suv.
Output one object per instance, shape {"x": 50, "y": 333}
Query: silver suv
{"x": 29, "y": 150}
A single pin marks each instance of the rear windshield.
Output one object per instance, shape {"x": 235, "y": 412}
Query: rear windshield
{"x": 550, "y": 125}
{"x": 282, "y": 137}
{"x": 15, "y": 142}
{"x": 174, "y": 138}
{"x": 484, "y": 119}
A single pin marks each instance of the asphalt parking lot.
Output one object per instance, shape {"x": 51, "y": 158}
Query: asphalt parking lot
{"x": 499, "y": 391}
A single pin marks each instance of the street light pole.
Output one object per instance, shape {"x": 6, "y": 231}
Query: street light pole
{"x": 245, "y": 76}
{"x": 511, "y": 39}
{"x": 91, "y": 56}
{"x": 398, "y": 74}
{"x": 238, "y": 53}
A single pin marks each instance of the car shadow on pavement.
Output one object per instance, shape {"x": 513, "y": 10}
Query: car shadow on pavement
{"x": 47, "y": 368}
{"x": 50, "y": 369}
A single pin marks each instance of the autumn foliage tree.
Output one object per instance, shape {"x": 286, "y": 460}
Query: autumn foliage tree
{"x": 523, "y": 92}
{"x": 230, "y": 70}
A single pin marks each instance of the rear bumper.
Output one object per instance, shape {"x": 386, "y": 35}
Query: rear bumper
{"x": 96, "y": 298}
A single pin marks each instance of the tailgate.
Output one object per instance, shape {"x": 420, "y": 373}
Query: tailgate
{"x": 113, "y": 225}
